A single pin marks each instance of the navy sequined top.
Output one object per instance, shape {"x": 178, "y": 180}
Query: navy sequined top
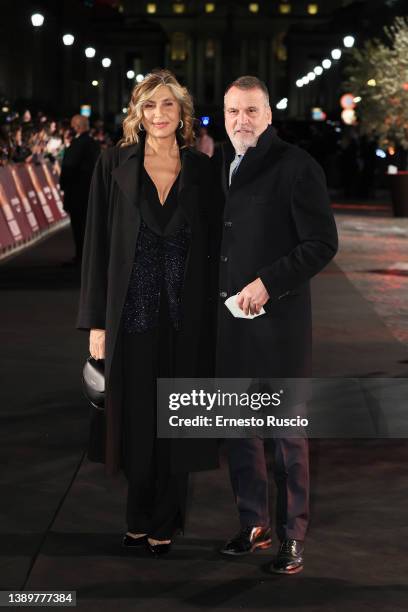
{"x": 160, "y": 260}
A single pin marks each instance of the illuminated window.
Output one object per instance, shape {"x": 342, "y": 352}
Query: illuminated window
{"x": 209, "y": 49}
{"x": 178, "y": 7}
{"x": 151, "y": 8}
{"x": 284, "y": 9}
{"x": 253, "y": 7}
{"x": 209, "y": 7}
{"x": 178, "y": 51}
{"x": 280, "y": 48}
{"x": 312, "y": 9}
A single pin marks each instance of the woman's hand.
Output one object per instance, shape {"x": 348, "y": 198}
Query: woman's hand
{"x": 97, "y": 343}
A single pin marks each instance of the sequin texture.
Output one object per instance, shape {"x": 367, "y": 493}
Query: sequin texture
{"x": 159, "y": 265}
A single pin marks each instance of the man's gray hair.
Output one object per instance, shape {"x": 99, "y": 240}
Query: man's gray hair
{"x": 249, "y": 82}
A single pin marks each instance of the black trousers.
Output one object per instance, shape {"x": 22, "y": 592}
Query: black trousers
{"x": 249, "y": 479}
{"x": 156, "y": 497}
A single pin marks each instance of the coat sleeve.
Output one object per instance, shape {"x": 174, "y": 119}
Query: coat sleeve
{"x": 94, "y": 272}
{"x": 316, "y": 229}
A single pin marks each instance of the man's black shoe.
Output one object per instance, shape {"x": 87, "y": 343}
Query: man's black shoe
{"x": 289, "y": 559}
{"x": 247, "y": 540}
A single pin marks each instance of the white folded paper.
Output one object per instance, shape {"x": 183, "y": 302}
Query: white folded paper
{"x": 231, "y": 304}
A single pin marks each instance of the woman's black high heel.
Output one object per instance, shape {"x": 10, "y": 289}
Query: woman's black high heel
{"x": 128, "y": 542}
{"x": 157, "y": 550}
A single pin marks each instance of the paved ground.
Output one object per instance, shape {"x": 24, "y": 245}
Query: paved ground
{"x": 374, "y": 256}
{"x": 61, "y": 519}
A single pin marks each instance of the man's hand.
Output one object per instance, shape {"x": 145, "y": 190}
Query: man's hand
{"x": 252, "y": 297}
{"x": 97, "y": 343}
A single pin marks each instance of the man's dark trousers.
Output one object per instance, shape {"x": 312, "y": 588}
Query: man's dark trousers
{"x": 249, "y": 479}
{"x": 78, "y": 223}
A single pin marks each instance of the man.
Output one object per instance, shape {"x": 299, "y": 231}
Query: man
{"x": 76, "y": 174}
{"x": 278, "y": 232}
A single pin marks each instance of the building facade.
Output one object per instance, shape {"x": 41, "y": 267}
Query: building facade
{"x": 206, "y": 44}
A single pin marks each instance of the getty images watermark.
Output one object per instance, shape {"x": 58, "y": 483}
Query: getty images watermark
{"x": 220, "y": 400}
{"x": 286, "y": 407}
{"x": 223, "y": 408}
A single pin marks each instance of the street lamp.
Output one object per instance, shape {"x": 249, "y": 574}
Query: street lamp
{"x": 130, "y": 74}
{"x": 326, "y": 63}
{"x": 90, "y": 52}
{"x": 299, "y": 83}
{"x": 336, "y": 54}
{"x": 37, "y": 20}
{"x": 348, "y": 41}
{"x": 68, "y": 40}
{"x": 318, "y": 70}
{"x": 139, "y": 78}
{"x": 282, "y": 104}
{"x": 106, "y": 62}
{"x": 66, "y": 90}
{"x": 311, "y": 76}
{"x": 305, "y": 80}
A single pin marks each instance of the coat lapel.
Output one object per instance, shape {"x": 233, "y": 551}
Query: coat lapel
{"x": 127, "y": 173}
{"x": 227, "y": 157}
{"x": 188, "y": 184}
{"x": 254, "y": 158}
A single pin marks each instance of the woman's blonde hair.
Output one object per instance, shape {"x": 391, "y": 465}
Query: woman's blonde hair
{"x": 142, "y": 92}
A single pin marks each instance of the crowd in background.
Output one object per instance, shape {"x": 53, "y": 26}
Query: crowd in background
{"x": 28, "y": 139}
{"x": 350, "y": 161}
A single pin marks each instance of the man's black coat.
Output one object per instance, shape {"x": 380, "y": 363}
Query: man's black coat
{"x": 76, "y": 172}
{"x": 277, "y": 225}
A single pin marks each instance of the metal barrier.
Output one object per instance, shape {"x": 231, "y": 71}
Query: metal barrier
{"x": 30, "y": 205}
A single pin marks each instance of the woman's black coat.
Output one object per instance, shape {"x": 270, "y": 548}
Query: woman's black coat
{"x": 112, "y": 228}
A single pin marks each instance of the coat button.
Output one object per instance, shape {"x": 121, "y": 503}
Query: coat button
{"x": 224, "y": 258}
{"x": 227, "y": 223}
{"x": 223, "y": 294}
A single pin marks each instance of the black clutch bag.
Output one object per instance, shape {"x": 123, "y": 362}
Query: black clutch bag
{"x": 93, "y": 382}
{"x": 93, "y": 385}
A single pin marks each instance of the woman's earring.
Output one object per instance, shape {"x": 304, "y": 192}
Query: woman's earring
{"x": 141, "y": 128}
{"x": 181, "y": 124}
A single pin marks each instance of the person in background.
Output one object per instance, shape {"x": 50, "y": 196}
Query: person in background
{"x": 20, "y": 150}
{"x": 27, "y": 118}
{"x": 205, "y": 143}
{"x": 54, "y": 143}
{"x": 76, "y": 173}
{"x": 5, "y": 146}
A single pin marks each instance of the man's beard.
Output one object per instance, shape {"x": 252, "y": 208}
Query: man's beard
{"x": 241, "y": 145}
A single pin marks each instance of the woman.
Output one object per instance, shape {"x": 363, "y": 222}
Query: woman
{"x": 145, "y": 297}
